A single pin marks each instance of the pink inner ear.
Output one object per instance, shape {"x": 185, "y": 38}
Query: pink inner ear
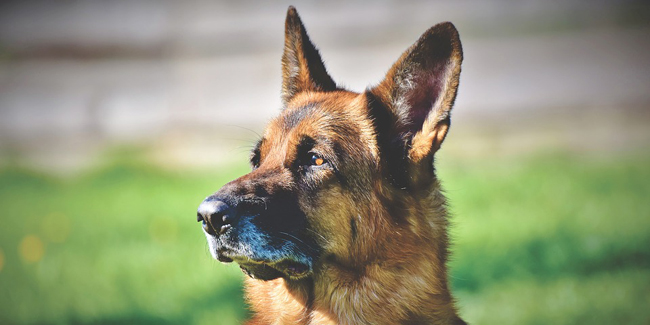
{"x": 421, "y": 98}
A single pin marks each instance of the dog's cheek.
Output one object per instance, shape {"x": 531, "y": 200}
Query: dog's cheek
{"x": 329, "y": 218}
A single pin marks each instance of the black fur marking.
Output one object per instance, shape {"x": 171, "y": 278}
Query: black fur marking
{"x": 305, "y": 146}
{"x": 293, "y": 118}
{"x": 393, "y": 144}
{"x": 353, "y": 228}
{"x": 341, "y": 156}
{"x": 256, "y": 154}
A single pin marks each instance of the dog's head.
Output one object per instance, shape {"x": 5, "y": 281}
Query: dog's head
{"x": 337, "y": 174}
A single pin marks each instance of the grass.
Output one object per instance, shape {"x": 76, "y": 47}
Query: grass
{"x": 546, "y": 239}
{"x": 120, "y": 245}
{"x": 556, "y": 239}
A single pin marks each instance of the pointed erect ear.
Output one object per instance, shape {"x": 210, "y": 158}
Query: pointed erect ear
{"x": 420, "y": 89}
{"x": 302, "y": 66}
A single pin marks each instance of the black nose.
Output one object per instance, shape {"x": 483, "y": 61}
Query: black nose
{"x": 215, "y": 215}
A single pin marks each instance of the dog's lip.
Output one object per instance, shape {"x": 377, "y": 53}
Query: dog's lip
{"x": 224, "y": 259}
{"x": 224, "y": 255}
{"x": 228, "y": 255}
{"x": 287, "y": 266}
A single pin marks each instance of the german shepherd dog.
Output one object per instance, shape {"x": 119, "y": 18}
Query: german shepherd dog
{"x": 342, "y": 219}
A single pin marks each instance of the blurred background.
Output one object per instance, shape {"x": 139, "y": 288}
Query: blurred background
{"x": 118, "y": 117}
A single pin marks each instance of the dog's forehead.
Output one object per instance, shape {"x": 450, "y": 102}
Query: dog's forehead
{"x": 313, "y": 113}
{"x": 339, "y": 117}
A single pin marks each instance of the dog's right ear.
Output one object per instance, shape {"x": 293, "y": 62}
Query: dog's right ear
{"x": 302, "y": 66}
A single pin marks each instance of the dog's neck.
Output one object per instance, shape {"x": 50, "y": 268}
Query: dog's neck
{"x": 323, "y": 302}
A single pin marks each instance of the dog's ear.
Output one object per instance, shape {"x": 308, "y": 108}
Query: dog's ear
{"x": 302, "y": 66}
{"x": 420, "y": 89}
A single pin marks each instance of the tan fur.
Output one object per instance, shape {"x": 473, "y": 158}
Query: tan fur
{"x": 383, "y": 237}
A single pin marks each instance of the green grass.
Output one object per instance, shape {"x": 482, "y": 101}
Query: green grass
{"x": 133, "y": 253}
{"x": 548, "y": 239}
{"x": 555, "y": 239}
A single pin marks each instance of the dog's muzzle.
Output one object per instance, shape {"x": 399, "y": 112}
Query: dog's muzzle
{"x": 240, "y": 232}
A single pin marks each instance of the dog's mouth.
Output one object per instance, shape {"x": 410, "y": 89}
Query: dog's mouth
{"x": 267, "y": 269}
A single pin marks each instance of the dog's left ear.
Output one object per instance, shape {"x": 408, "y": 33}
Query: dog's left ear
{"x": 420, "y": 89}
{"x": 302, "y": 66}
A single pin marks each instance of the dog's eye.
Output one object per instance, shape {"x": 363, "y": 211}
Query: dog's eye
{"x": 316, "y": 160}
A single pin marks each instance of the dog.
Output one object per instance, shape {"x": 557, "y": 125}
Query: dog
{"x": 342, "y": 219}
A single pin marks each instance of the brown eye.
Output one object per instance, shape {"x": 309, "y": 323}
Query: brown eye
{"x": 317, "y": 160}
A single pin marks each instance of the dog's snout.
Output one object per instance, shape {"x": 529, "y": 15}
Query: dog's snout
{"x": 215, "y": 215}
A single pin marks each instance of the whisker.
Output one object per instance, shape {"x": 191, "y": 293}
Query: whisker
{"x": 299, "y": 240}
{"x": 317, "y": 234}
{"x": 245, "y": 128}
